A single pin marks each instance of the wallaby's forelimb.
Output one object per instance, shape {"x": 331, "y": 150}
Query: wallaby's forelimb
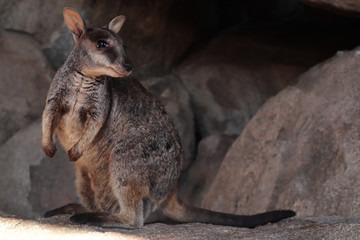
{"x": 51, "y": 117}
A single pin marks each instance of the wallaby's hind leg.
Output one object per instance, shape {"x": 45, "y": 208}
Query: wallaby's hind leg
{"x": 71, "y": 208}
{"x": 84, "y": 182}
{"x": 102, "y": 219}
{"x": 125, "y": 219}
{"x": 133, "y": 211}
{"x": 85, "y": 186}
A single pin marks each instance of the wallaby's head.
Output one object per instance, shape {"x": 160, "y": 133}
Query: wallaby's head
{"x": 101, "y": 51}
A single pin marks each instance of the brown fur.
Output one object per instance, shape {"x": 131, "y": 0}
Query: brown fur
{"x": 126, "y": 151}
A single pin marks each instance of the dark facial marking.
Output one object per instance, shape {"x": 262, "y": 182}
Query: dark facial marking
{"x": 95, "y": 34}
{"x": 100, "y": 37}
{"x": 111, "y": 54}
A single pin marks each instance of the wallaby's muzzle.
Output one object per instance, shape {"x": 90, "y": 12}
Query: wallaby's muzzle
{"x": 127, "y": 65}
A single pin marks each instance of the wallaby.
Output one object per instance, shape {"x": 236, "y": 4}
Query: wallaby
{"x": 128, "y": 154}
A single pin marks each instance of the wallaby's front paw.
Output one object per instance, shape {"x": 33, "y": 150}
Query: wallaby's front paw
{"x": 49, "y": 150}
{"x": 74, "y": 154}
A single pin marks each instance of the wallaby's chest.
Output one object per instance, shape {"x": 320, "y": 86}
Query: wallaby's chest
{"x": 84, "y": 102}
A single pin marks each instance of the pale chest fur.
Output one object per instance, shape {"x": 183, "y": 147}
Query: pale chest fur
{"x": 86, "y": 101}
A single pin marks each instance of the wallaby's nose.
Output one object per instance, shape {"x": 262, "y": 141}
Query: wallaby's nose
{"x": 127, "y": 65}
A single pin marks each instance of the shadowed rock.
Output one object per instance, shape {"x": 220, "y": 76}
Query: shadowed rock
{"x": 31, "y": 183}
{"x": 24, "y": 79}
{"x": 301, "y": 150}
{"x": 235, "y": 74}
{"x": 344, "y": 7}
{"x": 197, "y": 179}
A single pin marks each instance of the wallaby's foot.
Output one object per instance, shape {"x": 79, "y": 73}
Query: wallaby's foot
{"x": 72, "y": 208}
{"x": 74, "y": 154}
{"x": 90, "y": 218}
{"x": 49, "y": 149}
{"x": 101, "y": 219}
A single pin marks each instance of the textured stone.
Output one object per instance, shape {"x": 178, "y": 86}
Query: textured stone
{"x": 197, "y": 179}
{"x": 24, "y": 80}
{"x": 44, "y": 20}
{"x": 234, "y": 75}
{"x": 155, "y": 35}
{"x": 40, "y": 18}
{"x": 176, "y": 99}
{"x": 31, "y": 183}
{"x": 346, "y": 7}
{"x": 301, "y": 150}
{"x": 304, "y": 228}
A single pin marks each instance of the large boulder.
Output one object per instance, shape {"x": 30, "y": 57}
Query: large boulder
{"x": 43, "y": 20}
{"x": 25, "y": 76}
{"x": 39, "y": 18}
{"x": 232, "y": 77}
{"x": 31, "y": 183}
{"x": 301, "y": 150}
{"x": 172, "y": 93}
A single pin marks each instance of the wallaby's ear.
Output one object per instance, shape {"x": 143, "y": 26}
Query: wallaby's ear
{"x": 74, "y": 22}
{"x": 116, "y": 24}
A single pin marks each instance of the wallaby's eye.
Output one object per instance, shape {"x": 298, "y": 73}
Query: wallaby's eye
{"x": 102, "y": 44}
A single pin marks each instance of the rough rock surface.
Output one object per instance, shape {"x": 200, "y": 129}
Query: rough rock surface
{"x": 31, "y": 183}
{"x": 153, "y": 33}
{"x": 24, "y": 80}
{"x": 37, "y": 17}
{"x": 197, "y": 179}
{"x": 44, "y": 20}
{"x": 304, "y": 228}
{"x": 157, "y": 33}
{"x": 233, "y": 76}
{"x": 301, "y": 150}
{"x": 347, "y": 7}
{"x": 172, "y": 93}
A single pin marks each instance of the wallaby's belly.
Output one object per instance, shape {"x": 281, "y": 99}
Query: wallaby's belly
{"x": 68, "y": 131}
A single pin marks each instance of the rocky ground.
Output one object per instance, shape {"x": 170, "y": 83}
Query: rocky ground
{"x": 298, "y": 228}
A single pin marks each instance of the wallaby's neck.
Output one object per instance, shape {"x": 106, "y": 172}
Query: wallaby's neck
{"x": 72, "y": 63}
{"x": 72, "y": 66}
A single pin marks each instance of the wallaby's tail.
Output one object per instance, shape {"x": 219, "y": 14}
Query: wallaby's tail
{"x": 180, "y": 212}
